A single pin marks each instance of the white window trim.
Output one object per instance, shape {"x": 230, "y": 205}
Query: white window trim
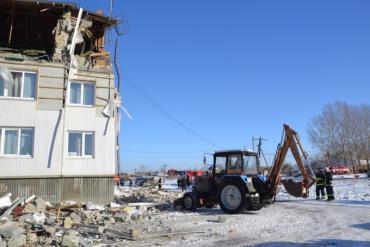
{"x": 19, "y": 129}
{"x": 6, "y": 96}
{"x": 82, "y": 83}
{"x": 83, "y": 145}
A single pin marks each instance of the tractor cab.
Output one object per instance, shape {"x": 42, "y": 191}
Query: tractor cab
{"x": 235, "y": 162}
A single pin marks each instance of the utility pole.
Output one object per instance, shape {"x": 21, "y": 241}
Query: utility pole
{"x": 259, "y": 147}
{"x": 259, "y": 139}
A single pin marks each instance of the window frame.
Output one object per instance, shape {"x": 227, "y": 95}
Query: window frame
{"x": 19, "y": 131}
{"x": 82, "y": 86}
{"x": 22, "y": 86}
{"x": 83, "y": 155}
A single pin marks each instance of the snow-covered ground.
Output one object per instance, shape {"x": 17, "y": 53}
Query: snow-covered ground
{"x": 288, "y": 222}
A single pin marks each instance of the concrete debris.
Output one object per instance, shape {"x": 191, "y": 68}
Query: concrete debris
{"x": 30, "y": 208}
{"x": 40, "y": 204}
{"x": 70, "y": 239}
{"x": 91, "y": 206}
{"x": 39, "y": 217}
{"x": 17, "y": 241}
{"x": 134, "y": 215}
{"x": 5, "y": 201}
{"x": 10, "y": 229}
{"x": 68, "y": 222}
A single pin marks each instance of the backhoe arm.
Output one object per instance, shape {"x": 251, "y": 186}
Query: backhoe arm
{"x": 292, "y": 142}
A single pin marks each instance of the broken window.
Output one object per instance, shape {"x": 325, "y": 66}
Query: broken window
{"x": 82, "y": 93}
{"x": 16, "y": 141}
{"x": 80, "y": 144}
{"x": 18, "y": 84}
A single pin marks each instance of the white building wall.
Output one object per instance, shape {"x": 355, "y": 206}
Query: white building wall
{"x": 42, "y": 114}
{"x": 103, "y": 161}
{"x": 21, "y": 113}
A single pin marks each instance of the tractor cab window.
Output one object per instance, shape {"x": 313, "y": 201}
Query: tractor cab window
{"x": 234, "y": 165}
{"x": 250, "y": 165}
{"x": 220, "y": 164}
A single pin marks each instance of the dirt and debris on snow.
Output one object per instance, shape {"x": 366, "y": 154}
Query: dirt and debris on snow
{"x": 143, "y": 216}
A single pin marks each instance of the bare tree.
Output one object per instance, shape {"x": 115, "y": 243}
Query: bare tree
{"x": 341, "y": 134}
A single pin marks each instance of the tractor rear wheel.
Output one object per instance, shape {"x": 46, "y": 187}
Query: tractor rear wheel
{"x": 231, "y": 197}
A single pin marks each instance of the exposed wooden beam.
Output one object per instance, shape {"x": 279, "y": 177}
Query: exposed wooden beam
{"x": 11, "y": 23}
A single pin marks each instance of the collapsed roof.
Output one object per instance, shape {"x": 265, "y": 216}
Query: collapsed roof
{"x": 44, "y": 29}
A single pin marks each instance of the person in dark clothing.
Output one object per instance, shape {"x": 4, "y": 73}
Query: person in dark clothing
{"x": 182, "y": 184}
{"x": 160, "y": 183}
{"x": 178, "y": 182}
{"x": 130, "y": 182}
{"x": 122, "y": 181}
{"x": 320, "y": 186}
{"x": 329, "y": 184}
{"x": 187, "y": 181}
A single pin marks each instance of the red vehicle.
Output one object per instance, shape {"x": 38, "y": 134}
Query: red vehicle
{"x": 193, "y": 173}
{"x": 340, "y": 169}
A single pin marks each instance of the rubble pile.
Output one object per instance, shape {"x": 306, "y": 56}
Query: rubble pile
{"x": 146, "y": 194}
{"x": 35, "y": 222}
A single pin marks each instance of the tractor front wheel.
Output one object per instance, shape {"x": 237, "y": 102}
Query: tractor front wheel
{"x": 190, "y": 201}
{"x": 231, "y": 197}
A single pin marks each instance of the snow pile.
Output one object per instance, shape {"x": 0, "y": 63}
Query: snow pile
{"x": 352, "y": 189}
{"x": 362, "y": 175}
{"x": 344, "y": 189}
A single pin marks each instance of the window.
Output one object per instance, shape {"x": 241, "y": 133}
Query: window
{"x": 250, "y": 165}
{"x": 81, "y": 93}
{"x": 234, "y": 164}
{"x": 16, "y": 141}
{"x": 18, "y": 84}
{"x": 220, "y": 164}
{"x": 81, "y": 144}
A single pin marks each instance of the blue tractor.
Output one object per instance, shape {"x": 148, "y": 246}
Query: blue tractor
{"x": 236, "y": 183}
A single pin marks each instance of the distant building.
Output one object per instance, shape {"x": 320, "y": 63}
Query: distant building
{"x": 55, "y": 141}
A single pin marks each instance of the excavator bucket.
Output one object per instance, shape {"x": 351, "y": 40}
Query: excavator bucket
{"x": 297, "y": 188}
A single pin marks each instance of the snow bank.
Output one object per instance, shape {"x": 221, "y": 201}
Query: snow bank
{"x": 344, "y": 189}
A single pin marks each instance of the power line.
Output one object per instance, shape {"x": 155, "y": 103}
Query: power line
{"x": 164, "y": 152}
{"x": 159, "y": 157}
{"x": 141, "y": 92}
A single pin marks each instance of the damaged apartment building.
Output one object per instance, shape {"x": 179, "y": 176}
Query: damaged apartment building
{"x": 58, "y": 101}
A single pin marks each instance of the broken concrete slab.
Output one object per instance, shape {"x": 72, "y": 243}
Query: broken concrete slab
{"x": 31, "y": 238}
{"x": 50, "y": 229}
{"x": 40, "y": 204}
{"x": 5, "y": 201}
{"x": 17, "y": 241}
{"x": 76, "y": 219}
{"x": 67, "y": 222}
{"x": 70, "y": 239}
{"x": 30, "y": 208}
{"x": 10, "y": 229}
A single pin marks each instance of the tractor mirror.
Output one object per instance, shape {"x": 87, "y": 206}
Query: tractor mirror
{"x": 204, "y": 160}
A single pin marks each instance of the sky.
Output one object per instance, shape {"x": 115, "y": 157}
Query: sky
{"x": 230, "y": 70}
